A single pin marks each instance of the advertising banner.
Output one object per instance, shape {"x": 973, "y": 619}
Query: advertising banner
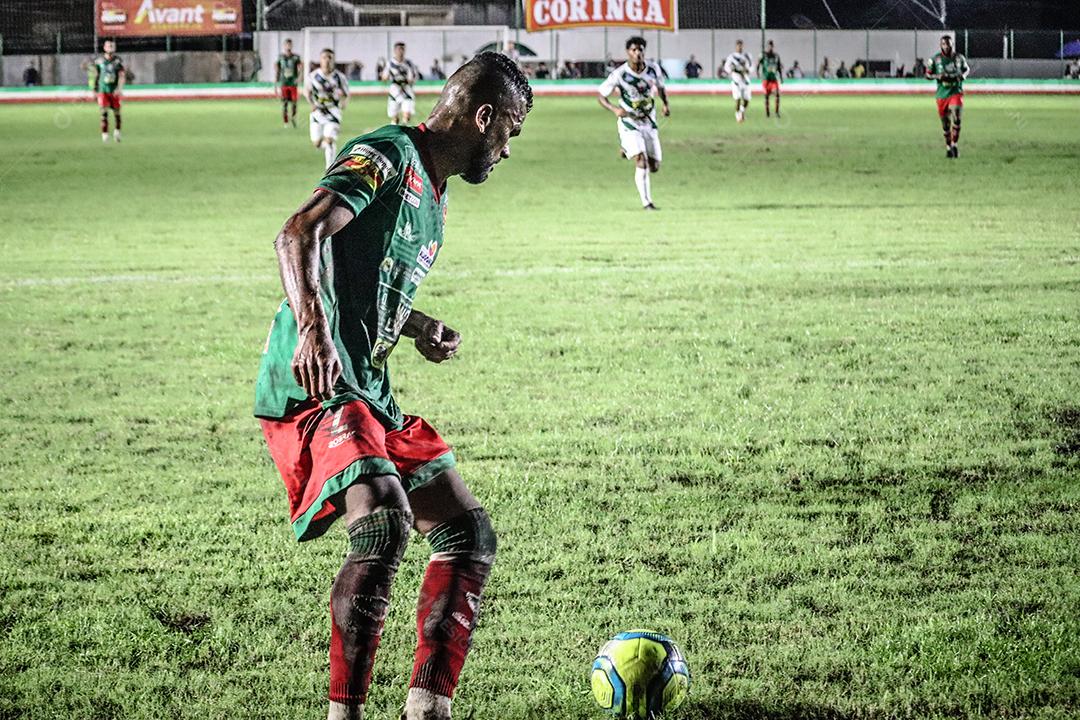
{"x": 147, "y": 18}
{"x": 562, "y": 14}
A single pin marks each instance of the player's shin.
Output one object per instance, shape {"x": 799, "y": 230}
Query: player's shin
{"x": 463, "y": 550}
{"x": 330, "y": 151}
{"x": 104, "y": 122}
{"x": 358, "y": 604}
{"x": 956, "y": 125}
{"x": 644, "y": 186}
{"x": 946, "y": 129}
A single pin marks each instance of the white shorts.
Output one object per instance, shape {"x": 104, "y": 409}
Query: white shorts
{"x": 740, "y": 92}
{"x": 397, "y": 107}
{"x": 323, "y": 129}
{"x": 639, "y": 139}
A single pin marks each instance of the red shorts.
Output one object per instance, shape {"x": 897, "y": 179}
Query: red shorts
{"x": 943, "y": 104}
{"x": 321, "y": 453}
{"x": 771, "y": 86}
{"x": 108, "y": 100}
{"x": 290, "y": 93}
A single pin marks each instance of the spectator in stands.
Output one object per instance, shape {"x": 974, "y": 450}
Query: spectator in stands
{"x": 356, "y": 70}
{"x": 693, "y": 68}
{"x": 825, "y": 71}
{"x": 256, "y": 66}
{"x": 842, "y": 71}
{"x": 858, "y": 70}
{"x": 569, "y": 71}
{"x": 1072, "y": 70}
{"x": 31, "y": 77}
{"x": 919, "y": 69}
{"x": 899, "y": 72}
{"x": 542, "y": 72}
{"x": 795, "y": 71}
{"x": 437, "y": 71}
{"x": 380, "y": 65}
{"x": 510, "y": 50}
{"x": 610, "y": 64}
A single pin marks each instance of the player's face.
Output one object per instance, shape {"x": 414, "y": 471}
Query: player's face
{"x": 109, "y": 47}
{"x": 738, "y": 47}
{"x": 327, "y": 61}
{"x": 946, "y": 46}
{"x": 495, "y": 142}
{"x": 635, "y": 54}
{"x": 399, "y": 53}
{"x": 288, "y": 47}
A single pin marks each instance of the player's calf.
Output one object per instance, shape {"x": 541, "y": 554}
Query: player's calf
{"x": 463, "y": 550}
{"x": 358, "y": 604}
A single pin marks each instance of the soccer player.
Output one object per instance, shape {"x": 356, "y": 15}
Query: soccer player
{"x": 328, "y": 93}
{"x": 638, "y": 83}
{"x": 771, "y": 71}
{"x": 949, "y": 68}
{"x": 351, "y": 260}
{"x": 737, "y": 67}
{"x": 108, "y": 77}
{"x": 286, "y": 75}
{"x": 401, "y": 74}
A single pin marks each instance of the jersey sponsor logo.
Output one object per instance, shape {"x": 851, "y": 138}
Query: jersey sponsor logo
{"x": 413, "y": 187}
{"x": 380, "y": 351}
{"x": 405, "y": 232}
{"x": 426, "y": 256}
{"x": 417, "y": 275}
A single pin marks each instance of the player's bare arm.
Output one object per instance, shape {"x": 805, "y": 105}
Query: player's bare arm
{"x": 607, "y": 104}
{"x": 434, "y": 340}
{"x": 663, "y": 100}
{"x": 316, "y": 365}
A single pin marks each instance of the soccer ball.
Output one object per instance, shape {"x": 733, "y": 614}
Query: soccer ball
{"x": 639, "y": 674}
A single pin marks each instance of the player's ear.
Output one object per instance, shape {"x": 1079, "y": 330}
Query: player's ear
{"x": 484, "y": 115}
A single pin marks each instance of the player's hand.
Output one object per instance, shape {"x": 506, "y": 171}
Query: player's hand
{"x": 619, "y": 111}
{"x": 316, "y": 365}
{"x": 667, "y": 110}
{"x": 437, "y": 342}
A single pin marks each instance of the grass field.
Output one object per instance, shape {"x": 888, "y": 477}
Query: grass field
{"x": 818, "y": 419}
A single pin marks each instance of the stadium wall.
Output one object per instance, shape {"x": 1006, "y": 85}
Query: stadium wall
{"x": 585, "y": 88}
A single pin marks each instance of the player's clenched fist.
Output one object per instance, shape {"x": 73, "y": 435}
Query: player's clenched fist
{"x": 437, "y": 342}
{"x": 316, "y": 365}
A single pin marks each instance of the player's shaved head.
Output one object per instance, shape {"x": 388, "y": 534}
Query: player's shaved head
{"x": 481, "y": 107}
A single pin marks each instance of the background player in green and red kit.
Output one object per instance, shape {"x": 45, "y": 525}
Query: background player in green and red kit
{"x": 949, "y": 68}
{"x": 351, "y": 260}
{"x": 771, "y": 71}
{"x": 108, "y": 75}
{"x": 287, "y": 75}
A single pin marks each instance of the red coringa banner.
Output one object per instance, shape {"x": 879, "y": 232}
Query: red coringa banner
{"x": 142, "y": 18}
{"x": 557, "y": 14}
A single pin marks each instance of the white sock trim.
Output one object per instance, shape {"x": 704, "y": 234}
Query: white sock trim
{"x": 341, "y": 711}
{"x": 425, "y": 705}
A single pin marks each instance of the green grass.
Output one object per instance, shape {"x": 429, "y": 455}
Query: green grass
{"x": 818, "y": 419}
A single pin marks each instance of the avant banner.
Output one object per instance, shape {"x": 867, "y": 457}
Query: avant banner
{"x": 558, "y": 14}
{"x": 142, "y": 18}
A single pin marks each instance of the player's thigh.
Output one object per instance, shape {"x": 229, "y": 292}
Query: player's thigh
{"x": 632, "y": 141}
{"x": 442, "y": 499}
{"x": 315, "y": 131}
{"x": 392, "y": 108}
{"x": 331, "y": 130}
{"x": 408, "y": 107}
{"x": 371, "y": 494}
{"x": 652, "y": 148}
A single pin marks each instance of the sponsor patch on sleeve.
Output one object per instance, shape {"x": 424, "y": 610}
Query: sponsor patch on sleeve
{"x": 370, "y": 165}
{"x": 412, "y": 189}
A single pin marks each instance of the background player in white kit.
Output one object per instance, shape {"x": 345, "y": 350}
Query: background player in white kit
{"x": 638, "y": 82}
{"x": 737, "y": 66}
{"x": 402, "y": 75}
{"x": 328, "y": 92}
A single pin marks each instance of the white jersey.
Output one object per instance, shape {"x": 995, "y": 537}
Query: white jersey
{"x": 737, "y": 66}
{"x": 637, "y": 91}
{"x": 326, "y": 91}
{"x": 402, "y": 76}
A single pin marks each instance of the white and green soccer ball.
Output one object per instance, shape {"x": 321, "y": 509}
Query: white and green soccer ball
{"x": 639, "y": 675}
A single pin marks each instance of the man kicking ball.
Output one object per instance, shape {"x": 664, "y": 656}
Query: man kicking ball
{"x": 351, "y": 260}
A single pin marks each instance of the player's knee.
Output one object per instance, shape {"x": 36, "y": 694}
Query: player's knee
{"x": 468, "y": 536}
{"x": 380, "y": 537}
{"x": 641, "y": 162}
